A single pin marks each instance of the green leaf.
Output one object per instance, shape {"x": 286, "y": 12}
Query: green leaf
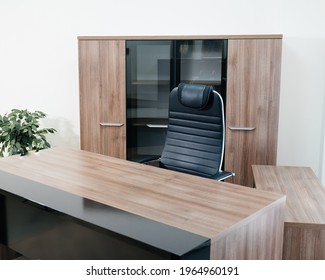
{"x": 20, "y": 131}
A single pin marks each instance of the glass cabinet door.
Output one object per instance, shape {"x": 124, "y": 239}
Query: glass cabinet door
{"x": 148, "y": 67}
{"x": 154, "y": 68}
{"x": 202, "y": 62}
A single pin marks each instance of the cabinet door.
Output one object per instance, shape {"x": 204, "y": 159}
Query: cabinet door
{"x": 154, "y": 68}
{"x": 102, "y": 97}
{"x": 148, "y": 65}
{"x": 253, "y": 86}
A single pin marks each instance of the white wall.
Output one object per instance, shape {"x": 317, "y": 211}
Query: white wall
{"x": 39, "y": 56}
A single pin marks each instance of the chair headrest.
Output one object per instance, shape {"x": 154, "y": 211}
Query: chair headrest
{"x": 194, "y": 96}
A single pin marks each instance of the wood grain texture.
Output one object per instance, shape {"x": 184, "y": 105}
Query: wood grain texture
{"x": 102, "y": 97}
{"x": 253, "y": 91}
{"x": 230, "y": 215}
{"x": 183, "y": 37}
{"x": 304, "y": 234}
{"x": 251, "y": 242}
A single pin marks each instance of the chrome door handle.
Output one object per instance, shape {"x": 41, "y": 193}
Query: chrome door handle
{"x": 241, "y": 128}
{"x": 111, "y": 124}
{"x": 157, "y": 125}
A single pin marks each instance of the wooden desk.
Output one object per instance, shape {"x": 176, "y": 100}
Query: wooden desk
{"x": 155, "y": 208}
{"x": 304, "y": 233}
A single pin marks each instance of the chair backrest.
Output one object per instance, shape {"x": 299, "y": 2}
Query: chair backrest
{"x": 195, "y": 135}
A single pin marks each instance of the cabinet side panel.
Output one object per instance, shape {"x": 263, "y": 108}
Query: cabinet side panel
{"x": 253, "y": 87}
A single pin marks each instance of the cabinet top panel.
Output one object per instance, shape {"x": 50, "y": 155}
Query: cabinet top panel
{"x": 183, "y": 37}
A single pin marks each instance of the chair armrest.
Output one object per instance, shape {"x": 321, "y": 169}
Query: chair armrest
{"x": 222, "y": 175}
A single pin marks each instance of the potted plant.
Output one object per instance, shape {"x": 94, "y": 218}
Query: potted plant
{"x": 20, "y": 132}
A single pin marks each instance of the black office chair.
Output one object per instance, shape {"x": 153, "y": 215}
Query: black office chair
{"x": 196, "y": 132}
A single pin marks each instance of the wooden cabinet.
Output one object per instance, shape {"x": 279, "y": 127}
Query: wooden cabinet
{"x": 102, "y": 97}
{"x": 253, "y": 86}
{"x": 252, "y": 98}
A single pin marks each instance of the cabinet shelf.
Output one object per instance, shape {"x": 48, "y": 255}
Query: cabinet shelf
{"x": 150, "y": 82}
{"x": 203, "y": 58}
{"x": 203, "y": 82}
{"x": 159, "y": 83}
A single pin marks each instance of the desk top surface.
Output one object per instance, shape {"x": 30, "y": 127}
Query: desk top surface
{"x": 198, "y": 205}
{"x": 305, "y": 195}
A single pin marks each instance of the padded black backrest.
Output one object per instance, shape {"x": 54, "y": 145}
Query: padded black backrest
{"x": 195, "y": 134}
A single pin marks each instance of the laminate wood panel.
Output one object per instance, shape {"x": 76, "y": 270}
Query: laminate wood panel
{"x": 247, "y": 237}
{"x": 183, "y": 37}
{"x": 102, "y": 97}
{"x": 253, "y": 87}
{"x": 304, "y": 233}
{"x": 230, "y": 215}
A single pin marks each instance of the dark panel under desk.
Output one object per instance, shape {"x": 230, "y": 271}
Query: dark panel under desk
{"x": 42, "y": 222}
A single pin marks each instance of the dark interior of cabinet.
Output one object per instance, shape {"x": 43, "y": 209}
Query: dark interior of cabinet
{"x": 153, "y": 69}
